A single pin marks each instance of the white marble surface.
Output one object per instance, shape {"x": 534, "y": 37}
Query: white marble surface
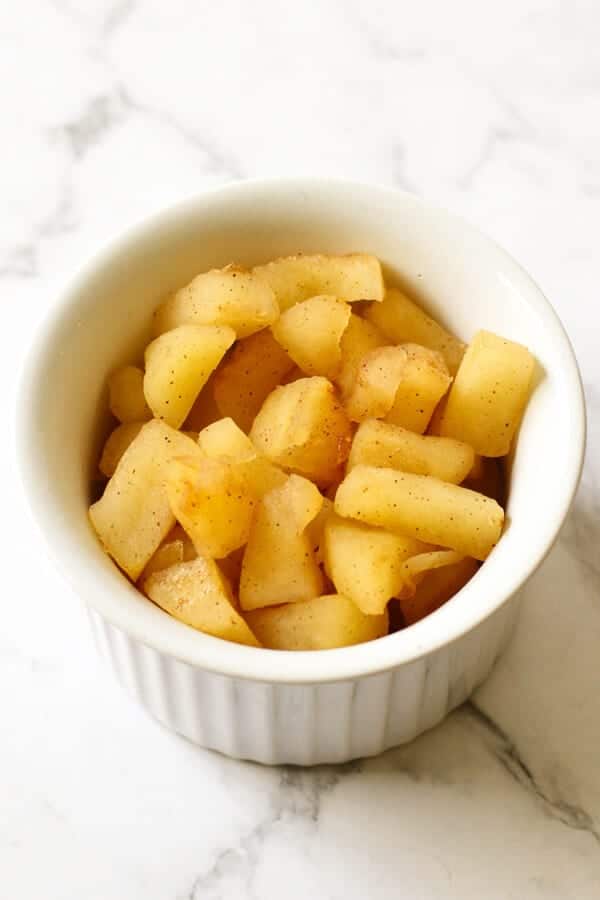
{"x": 113, "y": 109}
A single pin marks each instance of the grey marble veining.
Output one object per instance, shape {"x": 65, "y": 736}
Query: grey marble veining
{"x": 112, "y": 110}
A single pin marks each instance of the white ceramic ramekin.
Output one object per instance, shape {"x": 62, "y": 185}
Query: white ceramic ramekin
{"x": 309, "y": 707}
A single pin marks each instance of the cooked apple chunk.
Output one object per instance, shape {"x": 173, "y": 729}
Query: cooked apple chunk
{"x": 356, "y": 276}
{"x": 322, "y": 623}
{"x": 134, "y": 514}
{"x": 178, "y": 365}
{"x": 197, "y": 594}
{"x": 231, "y": 296}
{"x": 279, "y": 565}
{"x": 211, "y": 500}
{"x": 303, "y": 428}
{"x": 311, "y": 331}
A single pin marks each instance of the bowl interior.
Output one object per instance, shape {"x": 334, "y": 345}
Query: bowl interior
{"x": 461, "y": 277}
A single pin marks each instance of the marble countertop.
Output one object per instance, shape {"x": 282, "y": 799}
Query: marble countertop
{"x": 114, "y": 109}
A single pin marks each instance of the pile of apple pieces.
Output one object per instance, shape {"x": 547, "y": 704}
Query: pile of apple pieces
{"x": 229, "y": 524}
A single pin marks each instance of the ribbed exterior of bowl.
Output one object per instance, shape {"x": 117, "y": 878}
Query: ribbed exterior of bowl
{"x": 305, "y": 724}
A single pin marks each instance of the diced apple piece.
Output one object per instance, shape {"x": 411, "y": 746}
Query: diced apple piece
{"x": 402, "y": 384}
{"x": 211, "y": 499}
{"x": 393, "y": 447}
{"x": 359, "y": 338}
{"x": 279, "y": 564}
{"x": 365, "y": 563}
{"x": 303, "y": 428}
{"x": 425, "y": 380}
{"x": 422, "y": 507}
{"x": 376, "y": 383}
{"x": 197, "y": 594}
{"x": 310, "y": 332}
{"x": 356, "y": 276}
{"x": 403, "y": 321}
{"x": 134, "y": 515}
{"x": 231, "y": 296}
{"x": 178, "y": 365}
{"x": 322, "y": 623}
{"x": 487, "y": 399}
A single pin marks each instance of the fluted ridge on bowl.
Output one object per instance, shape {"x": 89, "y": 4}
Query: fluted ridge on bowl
{"x": 306, "y": 724}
